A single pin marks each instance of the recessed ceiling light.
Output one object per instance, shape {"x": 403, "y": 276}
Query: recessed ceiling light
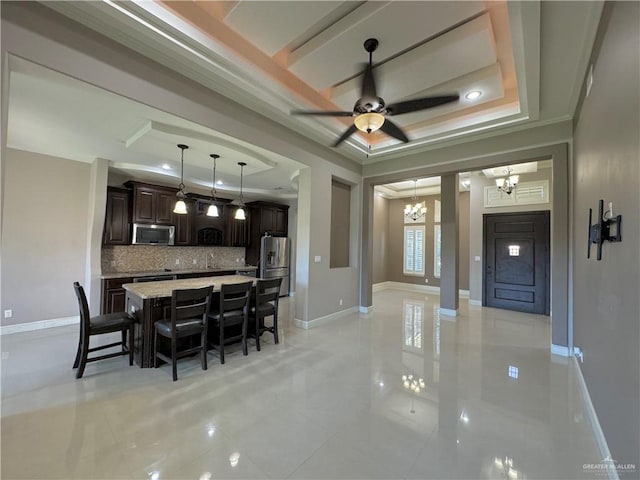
{"x": 166, "y": 166}
{"x": 473, "y": 95}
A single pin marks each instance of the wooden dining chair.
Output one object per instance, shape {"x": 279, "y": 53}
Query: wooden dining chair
{"x": 189, "y": 311}
{"x": 233, "y": 311}
{"x": 98, "y": 325}
{"x": 266, "y": 305}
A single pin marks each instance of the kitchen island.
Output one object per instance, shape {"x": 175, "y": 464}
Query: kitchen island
{"x": 149, "y": 302}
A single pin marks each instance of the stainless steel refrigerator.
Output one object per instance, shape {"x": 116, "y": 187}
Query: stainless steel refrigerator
{"x": 274, "y": 260}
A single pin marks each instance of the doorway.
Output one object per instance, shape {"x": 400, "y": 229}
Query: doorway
{"x": 516, "y": 261}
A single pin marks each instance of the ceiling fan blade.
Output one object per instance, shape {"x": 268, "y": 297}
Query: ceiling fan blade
{"x": 369, "y": 83}
{"x": 323, "y": 113}
{"x": 420, "y": 104}
{"x": 347, "y": 133}
{"x": 393, "y": 130}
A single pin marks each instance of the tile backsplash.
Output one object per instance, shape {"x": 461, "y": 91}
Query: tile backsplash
{"x": 139, "y": 258}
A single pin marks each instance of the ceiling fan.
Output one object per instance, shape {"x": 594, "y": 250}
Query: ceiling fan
{"x": 370, "y": 112}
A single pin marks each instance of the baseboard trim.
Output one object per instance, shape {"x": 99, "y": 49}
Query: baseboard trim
{"x": 307, "y": 324}
{"x": 39, "y": 325}
{"x": 477, "y": 303}
{"x": 560, "y": 350}
{"x": 412, "y": 287}
{"x": 592, "y": 416}
{"x": 366, "y": 310}
{"x": 449, "y": 312}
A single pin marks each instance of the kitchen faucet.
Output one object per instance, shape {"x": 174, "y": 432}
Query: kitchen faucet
{"x": 213, "y": 261}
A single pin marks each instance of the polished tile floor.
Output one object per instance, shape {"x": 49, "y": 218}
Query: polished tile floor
{"x": 400, "y": 393}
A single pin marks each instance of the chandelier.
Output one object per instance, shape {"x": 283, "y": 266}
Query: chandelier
{"x": 413, "y": 383}
{"x": 416, "y": 210}
{"x": 508, "y": 184}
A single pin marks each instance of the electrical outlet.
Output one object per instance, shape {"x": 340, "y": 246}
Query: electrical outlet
{"x": 317, "y": 259}
{"x": 340, "y": 302}
{"x": 113, "y": 263}
{"x": 195, "y": 262}
{"x": 8, "y": 313}
{"x": 177, "y": 261}
{"x": 426, "y": 280}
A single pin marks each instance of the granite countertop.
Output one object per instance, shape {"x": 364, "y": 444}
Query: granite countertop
{"x": 146, "y": 290}
{"x": 153, "y": 273}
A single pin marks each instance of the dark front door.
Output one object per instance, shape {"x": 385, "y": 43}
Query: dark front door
{"x": 516, "y": 261}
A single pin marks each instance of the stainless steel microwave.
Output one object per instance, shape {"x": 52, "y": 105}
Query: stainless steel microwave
{"x": 153, "y": 234}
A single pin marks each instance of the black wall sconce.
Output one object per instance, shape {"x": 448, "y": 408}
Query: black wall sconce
{"x": 607, "y": 228}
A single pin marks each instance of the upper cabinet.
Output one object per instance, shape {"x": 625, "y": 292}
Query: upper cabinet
{"x": 117, "y": 221}
{"x": 153, "y": 204}
{"x": 237, "y": 232}
{"x": 271, "y": 218}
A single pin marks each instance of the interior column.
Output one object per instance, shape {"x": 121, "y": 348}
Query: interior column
{"x": 450, "y": 241}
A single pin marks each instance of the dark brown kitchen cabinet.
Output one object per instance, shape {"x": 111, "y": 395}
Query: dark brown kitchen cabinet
{"x": 237, "y": 232}
{"x": 113, "y": 295}
{"x": 271, "y": 218}
{"x": 184, "y": 227}
{"x": 153, "y": 204}
{"x": 117, "y": 222}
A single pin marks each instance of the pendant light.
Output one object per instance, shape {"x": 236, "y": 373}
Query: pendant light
{"x": 181, "y": 207}
{"x": 418, "y": 209}
{"x": 240, "y": 214}
{"x": 212, "y": 211}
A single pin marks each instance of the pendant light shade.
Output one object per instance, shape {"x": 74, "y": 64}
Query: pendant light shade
{"x": 240, "y": 213}
{"x": 212, "y": 211}
{"x": 181, "y": 206}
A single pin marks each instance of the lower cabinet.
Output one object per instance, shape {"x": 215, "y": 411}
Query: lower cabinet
{"x": 113, "y": 295}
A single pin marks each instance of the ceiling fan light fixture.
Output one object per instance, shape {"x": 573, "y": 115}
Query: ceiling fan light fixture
{"x": 369, "y": 122}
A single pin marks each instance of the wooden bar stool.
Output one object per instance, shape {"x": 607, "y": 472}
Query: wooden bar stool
{"x": 98, "y": 325}
{"x": 267, "y": 297}
{"x": 189, "y": 311}
{"x": 233, "y": 311}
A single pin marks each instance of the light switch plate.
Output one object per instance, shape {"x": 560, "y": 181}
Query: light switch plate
{"x": 317, "y": 259}
{"x": 477, "y": 258}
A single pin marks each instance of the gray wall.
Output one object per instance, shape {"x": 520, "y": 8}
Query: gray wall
{"x": 477, "y": 209}
{"x": 606, "y": 165}
{"x": 45, "y": 215}
{"x": 340, "y": 224}
{"x": 392, "y": 255}
{"x": 380, "y": 238}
